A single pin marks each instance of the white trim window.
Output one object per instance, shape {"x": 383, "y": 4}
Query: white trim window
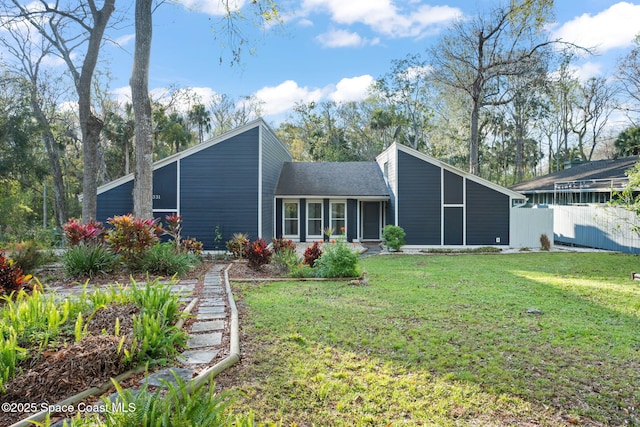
{"x": 291, "y": 219}
{"x": 314, "y": 219}
{"x": 338, "y": 217}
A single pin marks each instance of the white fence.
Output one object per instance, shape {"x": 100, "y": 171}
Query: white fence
{"x": 595, "y": 226}
{"x": 527, "y": 225}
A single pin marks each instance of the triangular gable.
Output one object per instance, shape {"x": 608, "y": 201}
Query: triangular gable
{"x": 469, "y": 176}
{"x": 192, "y": 150}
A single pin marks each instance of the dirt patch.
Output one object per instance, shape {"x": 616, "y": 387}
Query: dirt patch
{"x": 241, "y": 270}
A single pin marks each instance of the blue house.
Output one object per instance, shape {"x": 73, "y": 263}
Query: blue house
{"x": 245, "y": 181}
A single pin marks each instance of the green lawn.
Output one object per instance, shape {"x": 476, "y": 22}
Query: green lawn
{"x": 446, "y": 340}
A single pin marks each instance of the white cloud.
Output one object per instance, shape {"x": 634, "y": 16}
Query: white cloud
{"x": 352, "y": 89}
{"x": 124, "y": 40}
{"x": 340, "y": 38}
{"x": 122, "y": 94}
{"x": 212, "y": 7}
{"x": 383, "y": 16}
{"x": 587, "y": 70}
{"x": 283, "y": 97}
{"x": 612, "y": 28}
{"x": 278, "y": 99}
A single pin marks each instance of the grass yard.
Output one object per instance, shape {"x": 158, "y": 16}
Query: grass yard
{"x": 447, "y": 340}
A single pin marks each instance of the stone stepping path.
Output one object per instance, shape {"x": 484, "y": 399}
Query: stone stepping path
{"x": 205, "y": 336}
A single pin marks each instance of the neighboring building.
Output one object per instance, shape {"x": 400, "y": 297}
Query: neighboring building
{"x": 590, "y": 182}
{"x": 578, "y": 197}
{"x": 245, "y": 181}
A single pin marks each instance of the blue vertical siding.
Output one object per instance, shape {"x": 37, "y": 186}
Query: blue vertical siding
{"x": 219, "y": 187}
{"x": 116, "y": 201}
{"x": 165, "y": 187}
{"x": 487, "y": 215}
{"x": 274, "y": 155}
{"x": 419, "y": 200}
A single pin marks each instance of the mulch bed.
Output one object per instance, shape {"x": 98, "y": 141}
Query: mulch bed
{"x": 69, "y": 368}
{"x": 60, "y": 372}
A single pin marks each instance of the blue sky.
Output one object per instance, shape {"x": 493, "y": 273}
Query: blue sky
{"x": 333, "y": 49}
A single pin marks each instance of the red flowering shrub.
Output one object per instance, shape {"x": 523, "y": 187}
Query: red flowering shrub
{"x": 77, "y": 233}
{"x": 131, "y": 237}
{"x": 11, "y": 277}
{"x": 312, "y": 253}
{"x": 282, "y": 244}
{"x": 257, "y": 253}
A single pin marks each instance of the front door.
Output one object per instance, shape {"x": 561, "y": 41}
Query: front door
{"x": 371, "y": 220}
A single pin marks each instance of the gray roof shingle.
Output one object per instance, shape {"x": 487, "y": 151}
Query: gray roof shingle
{"x": 595, "y": 170}
{"x": 332, "y": 179}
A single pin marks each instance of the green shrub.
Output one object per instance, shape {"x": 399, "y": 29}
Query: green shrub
{"x": 11, "y": 277}
{"x": 257, "y": 253}
{"x": 163, "y": 260}
{"x": 393, "y": 237}
{"x": 131, "y": 237}
{"x": 237, "y": 244}
{"x": 28, "y": 256}
{"x": 338, "y": 260}
{"x": 88, "y": 261}
{"x": 312, "y": 253}
{"x": 174, "y": 405}
{"x": 302, "y": 270}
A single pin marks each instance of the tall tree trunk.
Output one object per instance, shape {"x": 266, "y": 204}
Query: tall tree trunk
{"x": 143, "y": 182}
{"x": 60, "y": 203}
{"x": 473, "y": 145}
{"x": 90, "y": 125}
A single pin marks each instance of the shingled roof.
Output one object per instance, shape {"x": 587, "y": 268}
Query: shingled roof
{"x": 596, "y": 170}
{"x": 332, "y": 179}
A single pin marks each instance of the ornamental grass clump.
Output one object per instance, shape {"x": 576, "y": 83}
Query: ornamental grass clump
{"x": 88, "y": 261}
{"x": 164, "y": 260}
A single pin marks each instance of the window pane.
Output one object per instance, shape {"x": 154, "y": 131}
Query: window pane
{"x": 291, "y": 210}
{"x": 291, "y": 227}
{"x": 315, "y": 210}
{"x": 337, "y": 210}
{"x": 315, "y": 227}
{"x": 338, "y": 226}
